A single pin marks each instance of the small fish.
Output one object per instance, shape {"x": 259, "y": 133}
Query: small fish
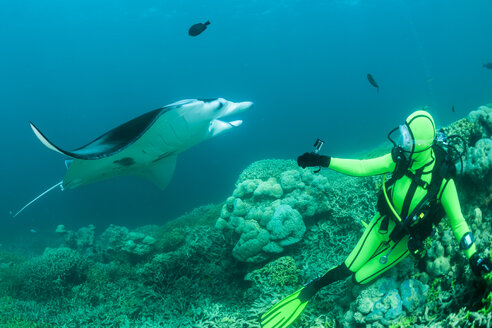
{"x": 32, "y": 231}
{"x": 198, "y": 28}
{"x": 452, "y": 108}
{"x": 488, "y": 65}
{"x": 372, "y": 81}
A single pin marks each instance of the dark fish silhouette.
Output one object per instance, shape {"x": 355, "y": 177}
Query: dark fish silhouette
{"x": 198, "y": 28}
{"x": 488, "y": 65}
{"x": 452, "y": 108}
{"x": 372, "y": 81}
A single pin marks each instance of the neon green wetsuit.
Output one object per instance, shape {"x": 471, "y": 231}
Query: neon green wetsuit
{"x": 411, "y": 203}
{"x": 417, "y": 137}
{"x": 364, "y": 260}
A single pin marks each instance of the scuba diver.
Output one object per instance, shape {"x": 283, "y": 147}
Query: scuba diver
{"x": 419, "y": 193}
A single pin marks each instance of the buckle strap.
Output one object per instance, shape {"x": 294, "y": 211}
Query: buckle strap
{"x": 417, "y": 179}
{"x": 383, "y": 227}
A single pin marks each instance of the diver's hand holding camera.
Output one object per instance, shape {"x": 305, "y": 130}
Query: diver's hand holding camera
{"x": 312, "y": 159}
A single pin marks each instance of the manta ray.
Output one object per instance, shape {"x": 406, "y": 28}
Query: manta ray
{"x": 147, "y": 145}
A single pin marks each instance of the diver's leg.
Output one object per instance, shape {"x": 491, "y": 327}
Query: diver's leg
{"x": 371, "y": 242}
{"x": 366, "y": 247}
{"x": 374, "y": 268}
{"x": 335, "y": 274}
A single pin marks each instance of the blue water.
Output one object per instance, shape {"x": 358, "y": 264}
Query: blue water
{"x": 80, "y": 68}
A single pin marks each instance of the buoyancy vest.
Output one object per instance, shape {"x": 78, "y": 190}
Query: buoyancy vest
{"x": 417, "y": 224}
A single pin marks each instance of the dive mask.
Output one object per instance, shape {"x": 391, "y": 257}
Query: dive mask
{"x": 406, "y": 142}
{"x": 404, "y": 139}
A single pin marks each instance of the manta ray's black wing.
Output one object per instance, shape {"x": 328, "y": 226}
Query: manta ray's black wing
{"x": 112, "y": 141}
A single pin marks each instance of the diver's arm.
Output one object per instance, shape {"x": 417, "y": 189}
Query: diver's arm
{"x": 363, "y": 168}
{"x": 451, "y": 205}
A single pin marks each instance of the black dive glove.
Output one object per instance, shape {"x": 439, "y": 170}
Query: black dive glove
{"x": 313, "y": 159}
{"x": 480, "y": 265}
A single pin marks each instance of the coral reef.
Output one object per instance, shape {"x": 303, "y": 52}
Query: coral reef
{"x": 386, "y": 302}
{"x": 478, "y": 164}
{"x": 476, "y": 130}
{"x": 439, "y": 254}
{"x": 119, "y": 243}
{"x": 223, "y": 265}
{"x": 266, "y": 211}
{"x": 50, "y": 275}
{"x": 115, "y": 243}
{"x": 281, "y": 272}
{"x": 82, "y": 240}
{"x": 482, "y": 116}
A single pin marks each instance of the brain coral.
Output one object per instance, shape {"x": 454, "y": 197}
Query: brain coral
{"x": 272, "y": 197}
{"x": 286, "y": 225}
{"x": 253, "y": 239}
{"x": 482, "y": 115}
{"x": 478, "y": 162}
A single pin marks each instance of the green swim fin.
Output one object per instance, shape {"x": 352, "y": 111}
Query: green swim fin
{"x": 285, "y": 312}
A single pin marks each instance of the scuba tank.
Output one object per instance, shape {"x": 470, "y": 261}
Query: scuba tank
{"x": 450, "y": 145}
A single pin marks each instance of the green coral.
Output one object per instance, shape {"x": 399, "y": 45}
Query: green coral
{"x": 47, "y": 276}
{"x": 203, "y": 215}
{"x": 404, "y": 322}
{"x": 169, "y": 239}
{"x": 487, "y": 309}
{"x": 280, "y": 272}
{"x": 22, "y": 323}
{"x": 434, "y": 290}
{"x": 8, "y": 258}
{"x": 7, "y": 261}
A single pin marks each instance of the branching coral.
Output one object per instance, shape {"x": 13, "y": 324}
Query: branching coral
{"x": 283, "y": 271}
{"x": 49, "y": 275}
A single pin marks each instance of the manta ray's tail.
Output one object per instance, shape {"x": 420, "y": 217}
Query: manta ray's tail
{"x": 38, "y": 197}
